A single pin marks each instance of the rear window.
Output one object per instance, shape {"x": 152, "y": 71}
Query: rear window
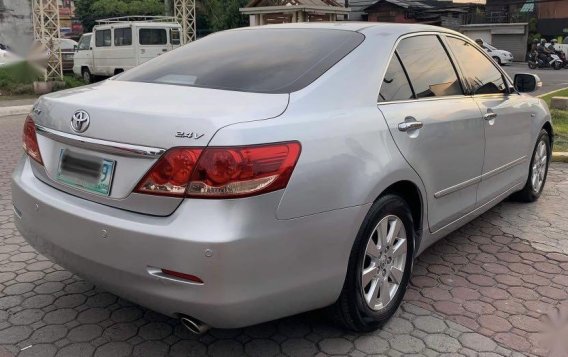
{"x": 263, "y": 61}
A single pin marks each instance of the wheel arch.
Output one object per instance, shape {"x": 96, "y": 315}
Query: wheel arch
{"x": 410, "y": 192}
{"x": 548, "y": 127}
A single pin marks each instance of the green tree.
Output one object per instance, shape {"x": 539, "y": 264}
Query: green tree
{"x": 223, "y": 14}
{"x": 88, "y": 11}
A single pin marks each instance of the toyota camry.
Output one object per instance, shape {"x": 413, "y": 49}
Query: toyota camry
{"x": 266, "y": 171}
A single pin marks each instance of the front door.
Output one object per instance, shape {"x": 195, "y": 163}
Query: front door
{"x": 507, "y": 122}
{"x": 437, "y": 128}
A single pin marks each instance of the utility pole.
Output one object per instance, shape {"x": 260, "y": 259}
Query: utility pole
{"x": 184, "y": 12}
{"x": 45, "y": 18}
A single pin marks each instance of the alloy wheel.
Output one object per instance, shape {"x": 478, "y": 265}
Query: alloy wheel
{"x": 540, "y": 162}
{"x": 384, "y": 262}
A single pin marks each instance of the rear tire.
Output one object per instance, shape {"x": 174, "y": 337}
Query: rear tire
{"x": 532, "y": 65}
{"x": 538, "y": 170}
{"x": 379, "y": 268}
{"x": 557, "y": 65}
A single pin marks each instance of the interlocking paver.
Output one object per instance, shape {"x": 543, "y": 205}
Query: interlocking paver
{"x": 478, "y": 292}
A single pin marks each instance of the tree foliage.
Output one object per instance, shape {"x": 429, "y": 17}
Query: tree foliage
{"x": 88, "y": 11}
{"x": 223, "y": 14}
{"x": 212, "y": 15}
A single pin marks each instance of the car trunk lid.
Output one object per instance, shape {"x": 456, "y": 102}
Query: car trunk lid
{"x": 131, "y": 125}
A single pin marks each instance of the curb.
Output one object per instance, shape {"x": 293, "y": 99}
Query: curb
{"x": 560, "y": 157}
{"x": 17, "y": 110}
{"x": 551, "y": 92}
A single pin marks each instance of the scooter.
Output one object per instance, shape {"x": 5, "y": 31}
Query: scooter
{"x": 553, "y": 61}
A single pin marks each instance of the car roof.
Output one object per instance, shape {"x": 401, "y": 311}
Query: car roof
{"x": 387, "y": 28}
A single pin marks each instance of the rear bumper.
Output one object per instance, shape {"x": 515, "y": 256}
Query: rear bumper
{"x": 261, "y": 268}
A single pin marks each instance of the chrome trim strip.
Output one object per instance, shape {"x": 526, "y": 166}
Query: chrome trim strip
{"x": 457, "y": 187}
{"x": 110, "y": 147}
{"x": 477, "y": 210}
{"x": 503, "y": 168}
{"x": 478, "y": 179}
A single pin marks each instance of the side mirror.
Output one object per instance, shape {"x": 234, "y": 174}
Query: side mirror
{"x": 75, "y": 48}
{"x": 526, "y": 82}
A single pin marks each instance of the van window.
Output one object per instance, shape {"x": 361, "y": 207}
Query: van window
{"x": 153, "y": 37}
{"x": 175, "y": 37}
{"x": 103, "y": 38}
{"x": 261, "y": 60}
{"x": 428, "y": 66}
{"x": 123, "y": 37}
{"x": 84, "y": 43}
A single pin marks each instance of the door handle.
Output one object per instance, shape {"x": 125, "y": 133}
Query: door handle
{"x": 410, "y": 124}
{"x": 490, "y": 116}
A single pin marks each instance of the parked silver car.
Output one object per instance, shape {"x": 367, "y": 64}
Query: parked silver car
{"x": 262, "y": 172}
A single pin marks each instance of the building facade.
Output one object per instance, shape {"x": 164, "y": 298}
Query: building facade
{"x": 553, "y": 19}
{"x": 431, "y": 12}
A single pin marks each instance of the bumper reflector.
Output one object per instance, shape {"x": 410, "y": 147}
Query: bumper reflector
{"x": 183, "y": 276}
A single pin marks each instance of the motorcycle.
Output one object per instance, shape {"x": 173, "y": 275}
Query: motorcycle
{"x": 563, "y": 58}
{"x": 553, "y": 61}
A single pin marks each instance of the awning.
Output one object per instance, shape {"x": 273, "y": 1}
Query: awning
{"x": 528, "y": 6}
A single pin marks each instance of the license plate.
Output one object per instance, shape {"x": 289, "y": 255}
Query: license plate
{"x": 85, "y": 172}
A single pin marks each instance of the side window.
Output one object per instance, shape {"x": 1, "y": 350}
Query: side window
{"x": 103, "y": 38}
{"x": 395, "y": 85}
{"x": 85, "y": 43}
{"x": 123, "y": 37}
{"x": 429, "y": 67}
{"x": 175, "y": 37}
{"x": 153, "y": 37}
{"x": 479, "y": 72}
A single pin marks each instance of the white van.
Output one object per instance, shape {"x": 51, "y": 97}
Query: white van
{"x": 118, "y": 44}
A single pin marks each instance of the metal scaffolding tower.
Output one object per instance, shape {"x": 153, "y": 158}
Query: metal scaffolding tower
{"x": 184, "y": 12}
{"x": 45, "y": 17}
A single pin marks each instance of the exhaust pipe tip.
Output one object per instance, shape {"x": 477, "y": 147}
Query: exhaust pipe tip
{"x": 194, "y": 325}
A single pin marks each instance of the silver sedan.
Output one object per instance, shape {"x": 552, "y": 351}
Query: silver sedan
{"x": 262, "y": 172}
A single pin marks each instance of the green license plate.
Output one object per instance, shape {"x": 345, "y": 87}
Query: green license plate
{"x": 86, "y": 172}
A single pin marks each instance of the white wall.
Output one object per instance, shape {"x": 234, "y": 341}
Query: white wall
{"x": 16, "y": 29}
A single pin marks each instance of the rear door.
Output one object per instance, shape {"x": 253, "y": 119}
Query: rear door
{"x": 152, "y": 43}
{"x": 437, "y": 128}
{"x": 507, "y": 124}
{"x": 124, "y": 52}
{"x": 102, "y": 53}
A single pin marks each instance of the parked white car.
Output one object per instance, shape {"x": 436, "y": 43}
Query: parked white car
{"x": 7, "y": 57}
{"x": 500, "y": 56}
{"x": 118, "y": 44}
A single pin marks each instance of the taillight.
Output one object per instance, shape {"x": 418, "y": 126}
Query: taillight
{"x": 29, "y": 139}
{"x": 222, "y": 172}
{"x": 171, "y": 174}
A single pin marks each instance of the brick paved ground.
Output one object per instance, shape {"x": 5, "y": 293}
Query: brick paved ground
{"x": 483, "y": 290}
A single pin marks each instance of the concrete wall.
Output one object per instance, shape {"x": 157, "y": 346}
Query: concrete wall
{"x": 16, "y": 29}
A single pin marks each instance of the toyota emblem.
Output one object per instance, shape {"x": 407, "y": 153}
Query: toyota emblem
{"x": 80, "y": 121}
